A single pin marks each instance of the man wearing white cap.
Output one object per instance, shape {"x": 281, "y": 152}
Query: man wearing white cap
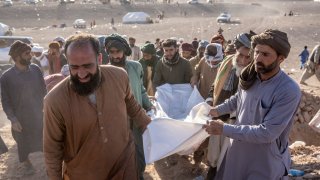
{"x": 60, "y": 40}
{"x": 39, "y": 58}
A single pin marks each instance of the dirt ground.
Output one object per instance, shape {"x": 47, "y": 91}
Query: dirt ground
{"x": 302, "y": 29}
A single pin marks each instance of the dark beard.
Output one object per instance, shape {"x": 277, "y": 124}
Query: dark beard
{"x": 266, "y": 69}
{"x": 24, "y": 62}
{"x": 121, "y": 63}
{"x": 201, "y": 55}
{"x": 84, "y": 89}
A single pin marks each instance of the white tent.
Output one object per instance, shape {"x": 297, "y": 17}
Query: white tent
{"x": 136, "y": 18}
{"x": 3, "y": 29}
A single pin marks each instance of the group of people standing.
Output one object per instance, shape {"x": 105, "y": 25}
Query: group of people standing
{"x": 93, "y": 120}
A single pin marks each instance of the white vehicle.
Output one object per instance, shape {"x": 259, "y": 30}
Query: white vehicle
{"x": 79, "y": 23}
{"x": 32, "y": 1}
{"x": 209, "y": 1}
{"x": 67, "y": 1}
{"x": 7, "y": 3}
{"x": 193, "y": 2}
{"x": 224, "y": 17}
{"x": 5, "y": 44}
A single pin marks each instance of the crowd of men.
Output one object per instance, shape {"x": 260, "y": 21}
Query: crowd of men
{"x": 84, "y": 102}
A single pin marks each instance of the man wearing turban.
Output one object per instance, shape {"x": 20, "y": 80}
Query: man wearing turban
{"x": 205, "y": 72}
{"x": 200, "y": 53}
{"x": 22, "y": 93}
{"x": 118, "y": 49}
{"x": 148, "y": 61}
{"x": 265, "y": 106}
{"x": 135, "y": 50}
{"x": 224, "y": 86}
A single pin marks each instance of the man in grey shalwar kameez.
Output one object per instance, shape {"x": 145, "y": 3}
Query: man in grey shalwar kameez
{"x": 22, "y": 93}
{"x": 265, "y": 103}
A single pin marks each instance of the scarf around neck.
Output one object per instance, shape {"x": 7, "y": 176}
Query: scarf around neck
{"x": 248, "y": 76}
{"x": 174, "y": 60}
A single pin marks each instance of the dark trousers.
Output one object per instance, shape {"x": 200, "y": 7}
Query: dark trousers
{"x": 141, "y": 163}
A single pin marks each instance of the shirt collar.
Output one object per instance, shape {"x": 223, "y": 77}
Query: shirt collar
{"x": 274, "y": 78}
{"x": 18, "y": 71}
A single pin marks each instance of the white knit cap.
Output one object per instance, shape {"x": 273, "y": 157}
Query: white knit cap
{"x": 65, "y": 70}
{"x": 37, "y": 49}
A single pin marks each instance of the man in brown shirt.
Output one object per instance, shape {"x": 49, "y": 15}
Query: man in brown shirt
{"x": 200, "y": 53}
{"x": 206, "y": 70}
{"x": 86, "y": 118}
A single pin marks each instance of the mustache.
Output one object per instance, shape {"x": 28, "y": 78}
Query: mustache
{"x": 260, "y": 64}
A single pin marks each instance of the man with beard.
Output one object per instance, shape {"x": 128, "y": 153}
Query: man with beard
{"x": 159, "y": 48}
{"x": 200, "y": 52}
{"x": 224, "y": 86}
{"x": 135, "y": 50}
{"x": 172, "y": 68}
{"x": 118, "y": 50}
{"x": 86, "y": 118}
{"x": 22, "y": 92}
{"x": 40, "y": 57}
{"x": 148, "y": 61}
{"x": 36, "y": 52}
{"x": 265, "y": 105}
{"x": 56, "y": 58}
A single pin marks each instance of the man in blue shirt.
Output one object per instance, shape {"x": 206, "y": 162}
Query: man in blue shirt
{"x": 265, "y": 105}
{"x": 304, "y": 55}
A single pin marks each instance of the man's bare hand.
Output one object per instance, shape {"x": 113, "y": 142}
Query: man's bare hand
{"x": 213, "y": 113}
{"x": 193, "y": 81}
{"x": 16, "y": 126}
{"x": 215, "y": 127}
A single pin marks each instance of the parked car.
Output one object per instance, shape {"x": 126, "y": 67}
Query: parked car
{"x": 5, "y": 44}
{"x": 67, "y": 1}
{"x": 224, "y": 17}
{"x": 32, "y": 1}
{"x": 79, "y": 23}
{"x": 7, "y": 3}
{"x": 87, "y": 1}
{"x": 193, "y": 2}
{"x": 125, "y": 2}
